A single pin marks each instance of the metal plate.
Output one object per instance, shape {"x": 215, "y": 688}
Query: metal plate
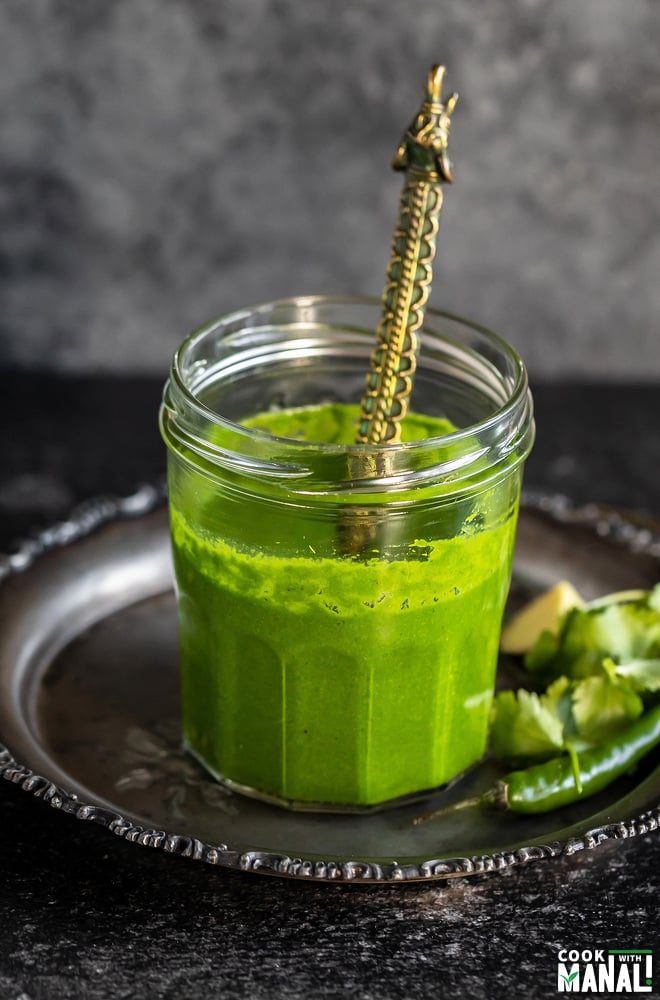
{"x": 89, "y": 708}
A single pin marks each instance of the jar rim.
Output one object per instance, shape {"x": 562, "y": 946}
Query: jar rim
{"x": 516, "y": 397}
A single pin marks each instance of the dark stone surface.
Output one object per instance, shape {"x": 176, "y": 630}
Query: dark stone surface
{"x": 165, "y": 161}
{"x": 86, "y": 916}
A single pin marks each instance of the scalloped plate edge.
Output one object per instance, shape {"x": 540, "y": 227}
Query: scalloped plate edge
{"x": 635, "y": 533}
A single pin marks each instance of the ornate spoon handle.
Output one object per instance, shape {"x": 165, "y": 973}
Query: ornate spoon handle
{"x": 422, "y": 154}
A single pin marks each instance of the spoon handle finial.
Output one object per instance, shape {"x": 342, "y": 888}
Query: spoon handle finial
{"x": 422, "y": 154}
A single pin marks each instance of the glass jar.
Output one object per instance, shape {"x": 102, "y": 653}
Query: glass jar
{"x": 339, "y": 604}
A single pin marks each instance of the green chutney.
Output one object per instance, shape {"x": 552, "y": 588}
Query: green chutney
{"x": 312, "y": 677}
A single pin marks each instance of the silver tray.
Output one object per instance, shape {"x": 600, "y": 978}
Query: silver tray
{"x": 89, "y": 708}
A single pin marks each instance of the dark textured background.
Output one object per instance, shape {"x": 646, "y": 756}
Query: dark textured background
{"x": 166, "y": 160}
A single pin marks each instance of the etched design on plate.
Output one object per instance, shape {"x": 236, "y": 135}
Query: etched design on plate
{"x": 159, "y": 759}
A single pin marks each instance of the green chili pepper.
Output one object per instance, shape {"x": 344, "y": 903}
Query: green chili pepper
{"x": 548, "y": 786}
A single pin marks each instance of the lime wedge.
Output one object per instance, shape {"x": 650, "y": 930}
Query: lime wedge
{"x": 540, "y": 615}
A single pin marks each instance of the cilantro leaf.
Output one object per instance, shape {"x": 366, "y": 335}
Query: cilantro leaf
{"x": 654, "y": 598}
{"x": 523, "y": 726}
{"x": 599, "y": 662}
{"x": 623, "y": 631}
{"x": 643, "y": 675}
{"x": 544, "y": 652}
{"x": 603, "y": 706}
{"x": 558, "y": 699}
